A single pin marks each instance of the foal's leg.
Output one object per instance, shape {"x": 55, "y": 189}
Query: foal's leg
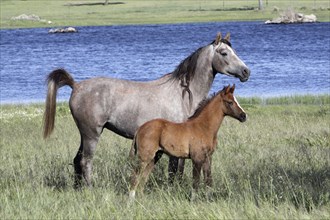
{"x": 208, "y": 176}
{"x": 207, "y": 171}
{"x": 141, "y": 174}
{"x": 197, "y": 166}
{"x": 136, "y": 178}
{"x": 149, "y": 168}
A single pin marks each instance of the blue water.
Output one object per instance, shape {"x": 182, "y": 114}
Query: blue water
{"x": 284, "y": 59}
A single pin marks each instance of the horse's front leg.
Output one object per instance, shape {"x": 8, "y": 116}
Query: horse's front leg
{"x": 181, "y": 168}
{"x": 172, "y": 169}
{"x": 175, "y": 165}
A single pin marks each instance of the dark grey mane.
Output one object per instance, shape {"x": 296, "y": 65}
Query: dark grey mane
{"x": 185, "y": 72}
{"x": 186, "y": 69}
{"x": 204, "y": 103}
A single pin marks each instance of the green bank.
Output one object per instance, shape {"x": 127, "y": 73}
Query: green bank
{"x": 274, "y": 166}
{"x": 95, "y": 12}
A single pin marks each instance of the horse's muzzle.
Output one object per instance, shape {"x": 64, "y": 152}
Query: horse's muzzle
{"x": 245, "y": 75}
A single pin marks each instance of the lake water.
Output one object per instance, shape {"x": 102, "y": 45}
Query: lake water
{"x": 284, "y": 59}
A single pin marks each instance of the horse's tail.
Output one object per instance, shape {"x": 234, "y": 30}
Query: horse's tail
{"x": 55, "y": 80}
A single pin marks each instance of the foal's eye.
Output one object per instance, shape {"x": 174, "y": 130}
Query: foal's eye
{"x": 224, "y": 54}
{"x": 230, "y": 102}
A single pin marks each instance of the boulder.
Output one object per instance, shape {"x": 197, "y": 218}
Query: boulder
{"x": 291, "y": 17}
{"x": 32, "y": 17}
{"x": 309, "y": 18}
{"x": 63, "y": 30}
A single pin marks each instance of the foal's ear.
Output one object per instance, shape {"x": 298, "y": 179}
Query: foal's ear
{"x": 218, "y": 38}
{"x": 232, "y": 89}
{"x": 227, "y": 37}
{"x": 227, "y": 89}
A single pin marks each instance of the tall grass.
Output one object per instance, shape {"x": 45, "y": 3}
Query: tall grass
{"x": 275, "y": 165}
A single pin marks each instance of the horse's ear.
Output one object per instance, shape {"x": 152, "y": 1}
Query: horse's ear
{"x": 218, "y": 38}
{"x": 232, "y": 89}
{"x": 227, "y": 37}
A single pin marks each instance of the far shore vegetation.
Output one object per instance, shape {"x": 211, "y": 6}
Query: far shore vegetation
{"x": 96, "y": 12}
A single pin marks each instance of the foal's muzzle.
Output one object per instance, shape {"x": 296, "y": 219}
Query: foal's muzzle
{"x": 242, "y": 117}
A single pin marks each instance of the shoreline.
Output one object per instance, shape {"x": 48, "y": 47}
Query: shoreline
{"x": 156, "y": 24}
{"x": 294, "y": 99}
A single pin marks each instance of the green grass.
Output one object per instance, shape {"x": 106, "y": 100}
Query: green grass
{"x": 60, "y": 13}
{"x": 274, "y": 166}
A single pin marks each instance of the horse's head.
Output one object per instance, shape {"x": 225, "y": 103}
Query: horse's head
{"x": 230, "y": 105}
{"x": 226, "y": 61}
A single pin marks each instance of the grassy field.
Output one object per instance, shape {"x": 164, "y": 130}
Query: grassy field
{"x": 66, "y": 13}
{"x": 274, "y": 166}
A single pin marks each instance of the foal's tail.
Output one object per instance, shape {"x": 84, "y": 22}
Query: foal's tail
{"x": 133, "y": 150}
{"x": 55, "y": 80}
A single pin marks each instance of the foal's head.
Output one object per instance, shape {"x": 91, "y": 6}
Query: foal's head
{"x": 230, "y": 105}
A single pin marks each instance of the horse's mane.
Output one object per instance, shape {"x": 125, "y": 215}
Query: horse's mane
{"x": 185, "y": 71}
{"x": 204, "y": 103}
{"x": 224, "y": 41}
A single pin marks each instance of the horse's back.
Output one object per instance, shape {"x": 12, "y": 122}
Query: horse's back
{"x": 121, "y": 105}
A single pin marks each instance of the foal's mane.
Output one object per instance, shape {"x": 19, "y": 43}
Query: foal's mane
{"x": 204, "y": 103}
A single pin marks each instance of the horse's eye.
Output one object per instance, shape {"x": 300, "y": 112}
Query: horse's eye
{"x": 230, "y": 102}
{"x": 223, "y": 54}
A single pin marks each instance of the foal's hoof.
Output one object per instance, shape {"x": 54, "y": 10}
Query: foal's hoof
{"x": 131, "y": 198}
{"x": 193, "y": 196}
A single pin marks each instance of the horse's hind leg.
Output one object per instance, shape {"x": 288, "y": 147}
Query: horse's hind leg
{"x": 83, "y": 160}
{"x": 78, "y": 168}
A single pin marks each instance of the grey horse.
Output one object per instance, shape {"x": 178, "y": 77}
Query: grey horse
{"x": 122, "y": 105}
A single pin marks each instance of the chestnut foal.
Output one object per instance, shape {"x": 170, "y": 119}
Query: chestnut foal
{"x": 195, "y": 139}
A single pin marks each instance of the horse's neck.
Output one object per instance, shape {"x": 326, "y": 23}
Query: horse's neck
{"x": 203, "y": 78}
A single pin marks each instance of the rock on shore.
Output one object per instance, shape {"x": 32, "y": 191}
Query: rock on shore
{"x": 291, "y": 17}
{"x": 32, "y": 17}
